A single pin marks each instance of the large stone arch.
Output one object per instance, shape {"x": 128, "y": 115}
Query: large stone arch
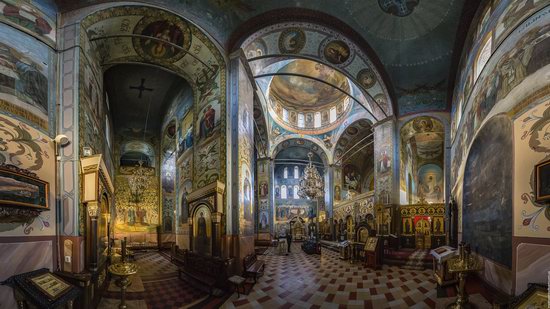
{"x": 322, "y": 151}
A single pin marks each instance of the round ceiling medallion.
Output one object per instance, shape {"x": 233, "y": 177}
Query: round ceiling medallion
{"x": 400, "y": 8}
{"x": 336, "y": 52}
{"x": 352, "y": 130}
{"x": 169, "y": 40}
{"x": 366, "y": 78}
{"x": 292, "y": 40}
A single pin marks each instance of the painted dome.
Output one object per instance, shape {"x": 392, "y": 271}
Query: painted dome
{"x": 307, "y": 96}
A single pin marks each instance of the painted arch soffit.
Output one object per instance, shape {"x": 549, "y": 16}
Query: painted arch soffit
{"x": 325, "y": 45}
{"x": 129, "y": 34}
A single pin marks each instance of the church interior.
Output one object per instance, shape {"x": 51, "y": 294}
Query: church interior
{"x": 274, "y": 154}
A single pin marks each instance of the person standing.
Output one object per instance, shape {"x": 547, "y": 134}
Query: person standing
{"x": 288, "y": 241}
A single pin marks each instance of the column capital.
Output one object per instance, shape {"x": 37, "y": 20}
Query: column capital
{"x": 93, "y": 208}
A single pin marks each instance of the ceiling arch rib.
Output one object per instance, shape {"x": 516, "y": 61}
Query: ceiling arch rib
{"x": 324, "y": 45}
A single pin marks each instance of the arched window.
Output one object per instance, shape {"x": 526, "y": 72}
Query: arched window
{"x": 285, "y": 173}
{"x": 283, "y": 192}
{"x": 296, "y": 172}
{"x": 296, "y": 192}
{"x": 317, "y": 120}
{"x": 290, "y": 193}
{"x": 301, "y": 121}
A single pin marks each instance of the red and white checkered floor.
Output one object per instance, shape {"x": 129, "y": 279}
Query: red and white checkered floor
{"x": 309, "y": 281}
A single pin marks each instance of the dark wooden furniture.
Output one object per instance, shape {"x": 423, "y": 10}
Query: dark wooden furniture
{"x": 209, "y": 271}
{"x": 263, "y": 240}
{"x": 373, "y": 254}
{"x": 177, "y": 255}
{"x": 238, "y": 283}
{"x": 27, "y": 293}
{"x": 252, "y": 266}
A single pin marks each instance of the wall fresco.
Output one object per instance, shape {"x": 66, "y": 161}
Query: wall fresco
{"x": 27, "y": 78}
{"x": 27, "y": 148}
{"x": 520, "y": 56}
{"x": 532, "y": 146}
{"x": 29, "y": 18}
{"x": 487, "y": 197}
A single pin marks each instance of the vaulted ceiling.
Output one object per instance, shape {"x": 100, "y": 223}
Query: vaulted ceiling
{"x": 139, "y": 96}
{"x": 414, "y": 40}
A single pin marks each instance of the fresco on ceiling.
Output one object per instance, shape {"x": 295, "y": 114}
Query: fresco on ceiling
{"x": 131, "y": 216}
{"x": 292, "y": 40}
{"x": 165, "y": 36}
{"x": 198, "y": 61}
{"x": 246, "y": 153}
{"x": 28, "y": 148}
{"x": 306, "y": 105}
{"x": 327, "y": 46}
{"x": 422, "y": 98}
{"x": 400, "y": 8}
{"x": 27, "y": 77}
{"x": 354, "y": 152}
{"x": 29, "y": 18}
{"x": 487, "y": 197}
{"x": 498, "y": 22}
{"x": 532, "y": 146}
{"x": 255, "y": 49}
{"x": 522, "y": 55}
{"x": 304, "y": 92}
{"x": 336, "y": 52}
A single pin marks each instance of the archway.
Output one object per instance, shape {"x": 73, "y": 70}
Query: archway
{"x": 422, "y": 162}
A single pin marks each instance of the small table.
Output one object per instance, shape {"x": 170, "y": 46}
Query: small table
{"x": 238, "y": 282}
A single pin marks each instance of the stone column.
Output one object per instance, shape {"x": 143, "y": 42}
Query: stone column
{"x": 91, "y": 237}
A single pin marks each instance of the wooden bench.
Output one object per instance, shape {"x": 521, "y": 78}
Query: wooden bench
{"x": 252, "y": 266}
{"x": 207, "y": 270}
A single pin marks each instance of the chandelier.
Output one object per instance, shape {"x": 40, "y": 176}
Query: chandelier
{"x": 311, "y": 183}
{"x": 138, "y": 182}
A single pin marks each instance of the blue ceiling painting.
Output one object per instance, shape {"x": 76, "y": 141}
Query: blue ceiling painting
{"x": 413, "y": 39}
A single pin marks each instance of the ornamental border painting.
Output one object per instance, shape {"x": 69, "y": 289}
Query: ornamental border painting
{"x": 542, "y": 181}
{"x": 21, "y": 188}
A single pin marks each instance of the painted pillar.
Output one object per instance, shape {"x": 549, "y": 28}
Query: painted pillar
{"x": 265, "y": 219}
{"x": 240, "y": 141}
{"x": 329, "y": 190}
{"x": 385, "y": 169}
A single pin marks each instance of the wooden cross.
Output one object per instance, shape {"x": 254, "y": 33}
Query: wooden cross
{"x": 141, "y": 88}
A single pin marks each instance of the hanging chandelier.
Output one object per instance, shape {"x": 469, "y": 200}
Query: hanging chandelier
{"x": 311, "y": 183}
{"x": 138, "y": 182}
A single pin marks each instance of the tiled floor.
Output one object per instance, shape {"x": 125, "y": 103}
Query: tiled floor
{"x": 307, "y": 281}
{"x": 161, "y": 287}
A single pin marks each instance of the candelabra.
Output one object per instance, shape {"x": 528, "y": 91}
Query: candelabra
{"x": 311, "y": 186}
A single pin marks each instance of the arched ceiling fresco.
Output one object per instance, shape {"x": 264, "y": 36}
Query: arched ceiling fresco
{"x": 355, "y": 145}
{"x": 424, "y": 137}
{"x": 306, "y": 93}
{"x": 308, "y": 97}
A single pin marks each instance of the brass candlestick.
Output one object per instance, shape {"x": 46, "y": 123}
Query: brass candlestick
{"x": 463, "y": 264}
{"x": 123, "y": 270}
